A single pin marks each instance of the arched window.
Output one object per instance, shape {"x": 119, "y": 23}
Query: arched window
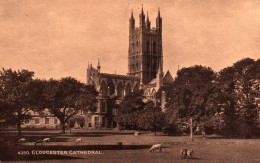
{"x": 153, "y": 94}
{"x": 128, "y": 89}
{"x": 120, "y": 91}
{"x": 136, "y": 89}
{"x": 111, "y": 87}
{"x": 148, "y": 47}
{"x": 154, "y": 48}
{"x": 103, "y": 89}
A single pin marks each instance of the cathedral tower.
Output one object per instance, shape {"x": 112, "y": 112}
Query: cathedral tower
{"x": 145, "y": 48}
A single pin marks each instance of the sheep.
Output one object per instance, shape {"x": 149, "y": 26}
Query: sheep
{"x": 186, "y": 153}
{"x": 22, "y": 140}
{"x": 183, "y": 153}
{"x": 46, "y": 140}
{"x": 190, "y": 153}
{"x": 79, "y": 140}
{"x": 155, "y": 147}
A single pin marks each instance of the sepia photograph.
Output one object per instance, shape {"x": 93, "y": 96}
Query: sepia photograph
{"x": 130, "y": 81}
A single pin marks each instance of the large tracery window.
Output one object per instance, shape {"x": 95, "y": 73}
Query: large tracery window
{"x": 128, "y": 89}
{"x": 148, "y": 47}
{"x": 120, "y": 90}
{"x": 154, "y": 48}
{"x": 103, "y": 89}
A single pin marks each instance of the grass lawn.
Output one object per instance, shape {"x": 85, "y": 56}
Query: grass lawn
{"x": 212, "y": 149}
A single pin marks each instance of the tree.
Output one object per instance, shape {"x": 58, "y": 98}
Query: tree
{"x": 239, "y": 86}
{"x": 192, "y": 95}
{"x": 130, "y": 110}
{"x": 64, "y": 98}
{"x": 17, "y": 98}
{"x": 151, "y": 118}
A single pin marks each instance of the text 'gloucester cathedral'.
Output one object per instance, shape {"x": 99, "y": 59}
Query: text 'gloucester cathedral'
{"x": 145, "y": 71}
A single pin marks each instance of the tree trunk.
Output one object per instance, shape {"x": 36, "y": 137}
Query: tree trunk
{"x": 203, "y": 132}
{"x": 63, "y": 127}
{"x": 19, "y": 127}
{"x": 19, "y": 124}
{"x": 191, "y": 132}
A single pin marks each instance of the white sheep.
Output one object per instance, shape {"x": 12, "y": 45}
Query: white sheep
{"x": 183, "y": 153}
{"x": 22, "y": 140}
{"x": 79, "y": 140}
{"x": 155, "y": 147}
{"x": 46, "y": 140}
{"x": 190, "y": 153}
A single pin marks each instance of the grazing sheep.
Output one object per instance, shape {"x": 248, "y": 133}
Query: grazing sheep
{"x": 155, "y": 147}
{"x": 46, "y": 140}
{"x": 38, "y": 142}
{"x": 190, "y": 153}
{"x": 183, "y": 153}
{"x": 22, "y": 140}
{"x": 79, "y": 140}
{"x": 186, "y": 153}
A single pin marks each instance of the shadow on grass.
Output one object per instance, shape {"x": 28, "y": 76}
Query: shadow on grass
{"x": 101, "y": 133}
{"x": 32, "y": 137}
{"x": 88, "y": 135}
{"x": 194, "y": 158}
{"x": 228, "y": 137}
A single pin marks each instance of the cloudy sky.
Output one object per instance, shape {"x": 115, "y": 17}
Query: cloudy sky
{"x": 57, "y": 38}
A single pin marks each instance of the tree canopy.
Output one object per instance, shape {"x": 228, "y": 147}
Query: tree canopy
{"x": 65, "y": 97}
{"x": 192, "y": 95}
{"x": 16, "y": 97}
{"x": 239, "y": 86}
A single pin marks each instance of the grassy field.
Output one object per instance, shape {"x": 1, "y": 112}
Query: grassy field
{"x": 135, "y": 148}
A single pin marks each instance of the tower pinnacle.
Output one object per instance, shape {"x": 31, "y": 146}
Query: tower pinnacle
{"x": 98, "y": 66}
{"x": 142, "y": 19}
{"x": 142, "y": 11}
{"x": 148, "y": 23}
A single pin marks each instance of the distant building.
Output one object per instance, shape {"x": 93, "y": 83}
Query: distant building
{"x": 43, "y": 120}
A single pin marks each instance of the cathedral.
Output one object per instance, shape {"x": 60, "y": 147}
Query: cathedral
{"x": 145, "y": 71}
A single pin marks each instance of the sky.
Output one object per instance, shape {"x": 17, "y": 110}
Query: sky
{"x": 57, "y": 38}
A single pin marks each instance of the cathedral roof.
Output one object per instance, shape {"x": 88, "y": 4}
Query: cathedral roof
{"x": 153, "y": 81}
{"x": 115, "y": 76}
{"x": 168, "y": 78}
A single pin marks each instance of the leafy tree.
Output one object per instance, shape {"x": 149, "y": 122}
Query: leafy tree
{"x": 17, "y": 96}
{"x": 130, "y": 110}
{"x": 151, "y": 118}
{"x": 239, "y": 86}
{"x": 192, "y": 95}
{"x": 64, "y": 98}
